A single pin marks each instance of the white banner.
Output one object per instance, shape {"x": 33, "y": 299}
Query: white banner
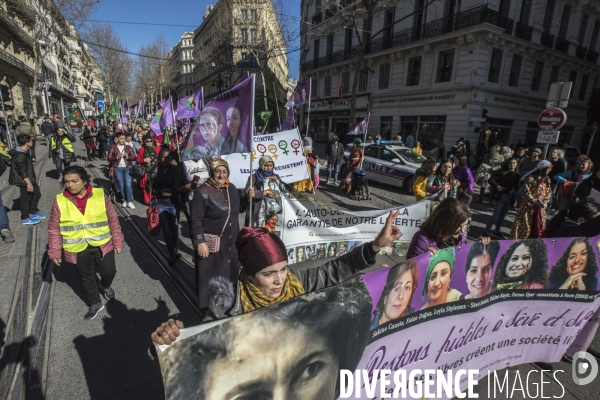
{"x": 319, "y": 233}
{"x": 284, "y": 147}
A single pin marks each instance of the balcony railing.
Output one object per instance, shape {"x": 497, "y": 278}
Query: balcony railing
{"x": 580, "y": 52}
{"x": 561, "y": 45}
{"x": 318, "y": 17}
{"x": 547, "y": 39}
{"x": 592, "y": 56}
{"x": 523, "y": 31}
{"x": 462, "y": 20}
{"x": 250, "y": 64}
{"x": 16, "y": 62}
{"x": 4, "y": 16}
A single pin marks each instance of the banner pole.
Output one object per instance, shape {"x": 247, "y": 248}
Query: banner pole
{"x": 309, "y": 97}
{"x": 277, "y": 106}
{"x": 251, "y": 144}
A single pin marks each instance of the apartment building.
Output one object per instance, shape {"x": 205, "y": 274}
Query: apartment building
{"x": 432, "y": 71}
{"x": 182, "y": 59}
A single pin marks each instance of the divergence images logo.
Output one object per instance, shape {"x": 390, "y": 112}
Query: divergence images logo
{"x": 584, "y": 368}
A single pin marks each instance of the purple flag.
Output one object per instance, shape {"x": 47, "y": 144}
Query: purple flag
{"x": 301, "y": 95}
{"x": 155, "y": 123}
{"x": 190, "y": 106}
{"x": 288, "y": 122}
{"x": 361, "y": 127}
{"x": 126, "y": 107}
{"x": 224, "y": 126}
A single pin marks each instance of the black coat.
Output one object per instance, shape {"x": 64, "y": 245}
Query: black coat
{"x": 21, "y": 168}
{"x": 3, "y": 166}
{"x": 47, "y": 128}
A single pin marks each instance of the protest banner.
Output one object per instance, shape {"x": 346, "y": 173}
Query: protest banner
{"x": 471, "y": 307}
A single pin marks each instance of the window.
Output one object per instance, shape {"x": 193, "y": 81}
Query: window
{"x": 445, "y": 62}
{"x": 515, "y": 70}
{"x": 327, "y": 86}
{"x": 244, "y": 35}
{"x": 495, "y": 66}
{"x": 314, "y": 90}
{"x": 572, "y": 78}
{"x": 316, "y": 49}
{"x": 330, "y": 44}
{"x": 536, "y": 80}
{"x": 253, "y": 15}
{"x": 388, "y": 33}
{"x": 348, "y": 40}
{"x": 553, "y": 75}
{"x": 253, "y": 35}
{"x": 384, "y": 76}
{"x": 549, "y": 15}
{"x": 583, "y": 28}
{"x": 244, "y": 14}
{"x": 525, "y": 11}
{"x": 583, "y": 87}
{"x": 564, "y": 23}
{"x": 372, "y": 151}
{"x": 414, "y": 71}
{"x": 594, "y": 39}
{"x": 346, "y": 81}
{"x": 363, "y": 80}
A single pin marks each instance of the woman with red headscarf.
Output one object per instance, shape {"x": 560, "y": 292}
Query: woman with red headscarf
{"x": 266, "y": 279}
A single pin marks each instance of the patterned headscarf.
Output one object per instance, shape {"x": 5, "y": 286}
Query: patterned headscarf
{"x": 252, "y": 298}
{"x": 211, "y": 181}
{"x": 540, "y": 165}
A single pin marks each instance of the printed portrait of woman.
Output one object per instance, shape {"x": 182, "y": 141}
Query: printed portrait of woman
{"x": 291, "y": 351}
{"x": 523, "y": 266}
{"x": 235, "y": 133}
{"x": 437, "y": 281}
{"x": 291, "y": 256}
{"x": 342, "y": 249}
{"x": 300, "y": 254}
{"x": 332, "y": 250}
{"x": 321, "y": 251}
{"x": 480, "y": 265}
{"x": 396, "y": 298}
{"x": 576, "y": 269}
{"x": 311, "y": 252}
{"x": 207, "y": 136}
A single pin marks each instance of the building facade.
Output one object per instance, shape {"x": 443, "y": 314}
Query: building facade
{"x": 433, "y": 72}
{"x": 182, "y": 59}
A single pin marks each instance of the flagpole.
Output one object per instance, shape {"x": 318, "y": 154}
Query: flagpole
{"x": 251, "y": 144}
{"x": 277, "y": 106}
{"x": 309, "y": 96}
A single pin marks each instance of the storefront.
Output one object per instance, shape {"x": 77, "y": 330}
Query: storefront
{"x": 498, "y": 131}
{"x": 428, "y": 129}
{"x": 334, "y": 114}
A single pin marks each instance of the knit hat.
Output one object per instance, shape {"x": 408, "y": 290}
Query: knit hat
{"x": 258, "y": 249}
{"x": 537, "y": 150}
{"x": 265, "y": 159}
{"x": 447, "y": 255}
{"x": 148, "y": 137}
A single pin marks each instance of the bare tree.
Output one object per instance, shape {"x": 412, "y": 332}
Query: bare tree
{"x": 115, "y": 64}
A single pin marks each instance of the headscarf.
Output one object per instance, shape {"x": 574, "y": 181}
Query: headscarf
{"x": 309, "y": 147}
{"x": 357, "y": 142}
{"x": 211, "y": 181}
{"x": 150, "y": 152}
{"x": 447, "y": 255}
{"x": 540, "y": 165}
{"x": 261, "y": 174}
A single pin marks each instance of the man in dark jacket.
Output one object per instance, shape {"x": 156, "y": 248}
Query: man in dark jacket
{"x": 25, "y": 128}
{"x": 22, "y": 174}
{"x": 5, "y": 232}
{"x": 47, "y": 129}
{"x": 335, "y": 158}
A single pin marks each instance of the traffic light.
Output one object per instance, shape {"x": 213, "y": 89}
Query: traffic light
{"x": 484, "y": 112}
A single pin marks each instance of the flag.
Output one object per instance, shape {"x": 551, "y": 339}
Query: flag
{"x": 112, "y": 109}
{"x": 271, "y": 94}
{"x": 135, "y": 109}
{"x": 163, "y": 117}
{"x": 155, "y": 122}
{"x": 265, "y": 116}
{"x": 301, "y": 95}
{"x": 126, "y": 107}
{"x": 288, "y": 122}
{"x": 361, "y": 127}
{"x": 75, "y": 115}
{"x": 190, "y": 106}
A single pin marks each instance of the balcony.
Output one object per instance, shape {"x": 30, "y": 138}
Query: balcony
{"x": 317, "y": 18}
{"x": 592, "y": 56}
{"x": 250, "y": 64}
{"x": 561, "y": 45}
{"x": 547, "y": 40}
{"x": 462, "y": 20}
{"x": 16, "y": 62}
{"x": 580, "y": 52}
{"x": 20, "y": 32}
{"x": 523, "y": 31}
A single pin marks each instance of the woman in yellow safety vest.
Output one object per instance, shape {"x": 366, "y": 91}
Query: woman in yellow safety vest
{"x": 84, "y": 226}
{"x": 62, "y": 150}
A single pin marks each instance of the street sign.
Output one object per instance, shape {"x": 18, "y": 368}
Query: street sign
{"x": 477, "y": 119}
{"x": 558, "y": 94}
{"x": 552, "y": 119}
{"x": 550, "y": 137}
{"x": 101, "y": 105}
{"x": 41, "y": 85}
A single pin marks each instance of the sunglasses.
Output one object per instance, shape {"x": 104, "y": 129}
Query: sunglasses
{"x": 148, "y": 141}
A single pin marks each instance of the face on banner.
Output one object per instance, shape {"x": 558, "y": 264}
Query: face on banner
{"x": 301, "y": 95}
{"x": 223, "y": 126}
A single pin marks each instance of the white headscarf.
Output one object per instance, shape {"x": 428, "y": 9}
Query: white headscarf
{"x": 540, "y": 165}
{"x": 309, "y": 147}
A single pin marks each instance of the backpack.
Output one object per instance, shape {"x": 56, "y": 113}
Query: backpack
{"x": 566, "y": 189}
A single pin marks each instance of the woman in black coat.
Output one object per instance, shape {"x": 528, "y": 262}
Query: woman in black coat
{"x": 89, "y": 142}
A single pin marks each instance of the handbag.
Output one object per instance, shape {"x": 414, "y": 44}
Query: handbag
{"x": 153, "y": 219}
{"x": 213, "y": 242}
{"x": 566, "y": 189}
{"x": 111, "y": 172}
{"x": 138, "y": 171}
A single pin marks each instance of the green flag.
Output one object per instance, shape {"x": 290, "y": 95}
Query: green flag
{"x": 75, "y": 115}
{"x": 265, "y": 116}
{"x": 271, "y": 91}
{"x": 112, "y": 109}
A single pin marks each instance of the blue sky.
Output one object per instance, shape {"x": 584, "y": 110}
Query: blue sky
{"x": 176, "y": 12}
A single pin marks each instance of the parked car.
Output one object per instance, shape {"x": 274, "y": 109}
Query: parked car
{"x": 391, "y": 164}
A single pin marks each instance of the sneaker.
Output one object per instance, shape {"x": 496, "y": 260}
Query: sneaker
{"x": 31, "y": 221}
{"x": 124, "y": 205}
{"x": 108, "y": 293}
{"x": 336, "y": 182}
{"x": 38, "y": 216}
{"x": 93, "y": 311}
{"x": 7, "y": 235}
{"x": 131, "y": 205}
{"x": 60, "y": 179}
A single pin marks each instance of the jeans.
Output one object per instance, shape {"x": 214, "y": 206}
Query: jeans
{"x": 102, "y": 149}
{"x": 87, "y": 275}
{"x": 330, "y": 168}
{"x": 29, "y": 201}
{"x": 123, "y": 176}
{"x": 500, "y": 211}
{"x": 60, "y": 166}
{"x": 169, "y": 222}
{"x": 3, "y": 216}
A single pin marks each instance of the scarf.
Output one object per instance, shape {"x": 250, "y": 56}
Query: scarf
{"x": 150, "y": 152}
{"x": 261, "y": 174}
{"x": 211, "y": 181}
{"x": 510, "y": 285}
{"x": 252, "y": 298}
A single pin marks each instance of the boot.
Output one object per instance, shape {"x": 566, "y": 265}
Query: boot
{"x": 481, "y": 194}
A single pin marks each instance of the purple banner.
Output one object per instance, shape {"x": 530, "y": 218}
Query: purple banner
{"x": 301, "y": 95}
{"x": 288, "y": 122}
{"x": 224, "y": 126}
{"x": 190, "y": 106}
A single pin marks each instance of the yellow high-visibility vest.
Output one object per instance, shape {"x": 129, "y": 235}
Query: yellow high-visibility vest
{"x": 65, "y": 142}
{"x": 79, "y": 231}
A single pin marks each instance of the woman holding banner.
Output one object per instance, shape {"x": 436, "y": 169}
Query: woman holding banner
{"x": 437, "y": 281}
{"x": 523, "y": 266}
{"x": 396, "y": 298}
{"x": 266, "y": 279}
{"x": 306, "y": 185}
{"x": 576, "y": 269}
{"x": 259, "y": 190}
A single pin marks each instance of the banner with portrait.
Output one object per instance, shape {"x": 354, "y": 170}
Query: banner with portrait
{"x": 224, "y": 125}
{"x": 477, "y": 307}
